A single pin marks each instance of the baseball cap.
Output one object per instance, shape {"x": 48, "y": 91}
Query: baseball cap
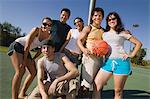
{"x": 48, "y": 42}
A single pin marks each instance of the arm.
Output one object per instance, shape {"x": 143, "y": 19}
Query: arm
{"x": 40, "y": 77}
{"x": 72, "y": 70}
{"x": 37, "y": 54}
{"x": 137, "y": 44}
{"x": 32, "y": 35}
{"x": 66, "y": 42}
{"x": 82, "y": 38}
{"x": 72, "y": 73}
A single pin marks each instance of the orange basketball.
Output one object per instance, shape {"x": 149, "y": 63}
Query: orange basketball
{"x": 100, "y": 48}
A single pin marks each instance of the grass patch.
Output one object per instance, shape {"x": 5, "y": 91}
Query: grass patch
{"x": 3, "y": 49}
{"x": 140, "y": 66}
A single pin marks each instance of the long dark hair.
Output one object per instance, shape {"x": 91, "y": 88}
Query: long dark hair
{"x": 119, "y": 27}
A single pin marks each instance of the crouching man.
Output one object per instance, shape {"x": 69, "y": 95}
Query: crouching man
{"x": 60, "y": 74}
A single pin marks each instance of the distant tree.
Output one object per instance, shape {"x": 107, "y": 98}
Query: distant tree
{"x": 138, "y": 59}
{"x": 24, "y": 34}
{"x": 1, "y": 28}
{"x": 8, "y": 33}
{"x": 7, "y": 27}
{"x": 17, "y": 31}
{"x": 0, "y": 25}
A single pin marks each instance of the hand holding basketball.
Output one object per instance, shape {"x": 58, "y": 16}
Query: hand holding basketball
{"x": 100, "y": 48}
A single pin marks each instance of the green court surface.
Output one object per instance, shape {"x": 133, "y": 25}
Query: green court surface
{"x": 137, "y": 85}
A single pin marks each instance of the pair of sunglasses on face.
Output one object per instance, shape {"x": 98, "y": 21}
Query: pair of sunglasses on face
{"x": 46, "y": 24}
{"x": 112, "y": 19}
{"x": 77, "y": 22}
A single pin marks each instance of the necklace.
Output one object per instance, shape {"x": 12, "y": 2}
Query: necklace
{"x": 96, "y": 26}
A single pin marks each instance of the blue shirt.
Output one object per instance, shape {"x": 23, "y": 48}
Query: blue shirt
{"x": 59, "y": 33}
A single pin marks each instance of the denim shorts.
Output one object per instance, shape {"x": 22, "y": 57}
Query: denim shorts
{"x": 17, "y": 47}
{"x": 117, "y": 66}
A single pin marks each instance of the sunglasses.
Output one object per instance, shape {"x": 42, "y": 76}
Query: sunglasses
{"x": 45, "y": 24}
{"x": 112, "y": 19}
{"x": 77, "y": 22}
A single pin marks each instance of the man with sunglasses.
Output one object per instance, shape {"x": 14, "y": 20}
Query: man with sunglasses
{"x": 60, "y": 29}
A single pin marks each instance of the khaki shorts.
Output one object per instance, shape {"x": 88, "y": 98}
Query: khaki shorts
{"x": 91, "y": 65}
{"x": 63, "y": 88}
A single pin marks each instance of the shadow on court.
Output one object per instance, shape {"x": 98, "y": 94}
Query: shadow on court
{"x": 128, "y": 94}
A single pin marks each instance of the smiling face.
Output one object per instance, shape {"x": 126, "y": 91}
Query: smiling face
{"x": 47, "y": 50}
{"x": 46, "y": 24}
{"x": 112, "y": 21}
{"x": 79, "y": 24}
{"x": 64, "y": 16}
{"x": 97, "y": 18}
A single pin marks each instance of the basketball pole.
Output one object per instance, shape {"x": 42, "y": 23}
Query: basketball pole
{"x": 91, "y": 7}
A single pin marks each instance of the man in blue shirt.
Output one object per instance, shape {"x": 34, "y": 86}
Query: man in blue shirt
{"x": 60, "y": 29}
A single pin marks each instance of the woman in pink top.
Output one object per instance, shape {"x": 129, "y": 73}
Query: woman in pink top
{"x": 19, "y": 52}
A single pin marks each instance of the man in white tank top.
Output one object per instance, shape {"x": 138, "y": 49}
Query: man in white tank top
{"x": 58, "y": 69}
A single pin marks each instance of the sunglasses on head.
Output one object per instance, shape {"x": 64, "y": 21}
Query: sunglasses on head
{"x": 112, "y": 19}
{"x": 46, "y": 24}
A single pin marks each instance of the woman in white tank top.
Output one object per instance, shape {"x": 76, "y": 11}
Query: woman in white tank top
{"x": 21, "y": 58}
{"x": 70, "y": 47}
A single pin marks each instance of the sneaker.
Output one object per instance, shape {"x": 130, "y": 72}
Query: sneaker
{"x": 83, "y": 92}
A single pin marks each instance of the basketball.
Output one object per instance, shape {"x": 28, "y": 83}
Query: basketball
{"x": 100, "y": 48}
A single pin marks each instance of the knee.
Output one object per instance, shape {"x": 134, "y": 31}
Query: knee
{"x": 98, "y": 86}
{"x": 118, "y": 91}
{"x": 20, "y": 71}
{"x": 33, "y": 73}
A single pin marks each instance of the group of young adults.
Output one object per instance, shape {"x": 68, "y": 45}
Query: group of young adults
{"x": 62, "y": 48}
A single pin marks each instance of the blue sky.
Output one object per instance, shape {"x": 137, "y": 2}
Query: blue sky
{"x": 28, "y": 13}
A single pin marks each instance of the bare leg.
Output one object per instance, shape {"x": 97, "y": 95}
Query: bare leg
{"x": 119, "y": 82}
{"x": 96, "y": 94}
{"x": 32, "y": 73}
{"x": 35, "y": 94}
{"x": 100, "y": 80}
{"x": 17, "y": 60}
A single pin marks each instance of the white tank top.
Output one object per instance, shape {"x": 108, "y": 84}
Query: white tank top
{"x": 72, "y": 44}
{"x": 55, "y": 68}
{"x": 34, "y": 44}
